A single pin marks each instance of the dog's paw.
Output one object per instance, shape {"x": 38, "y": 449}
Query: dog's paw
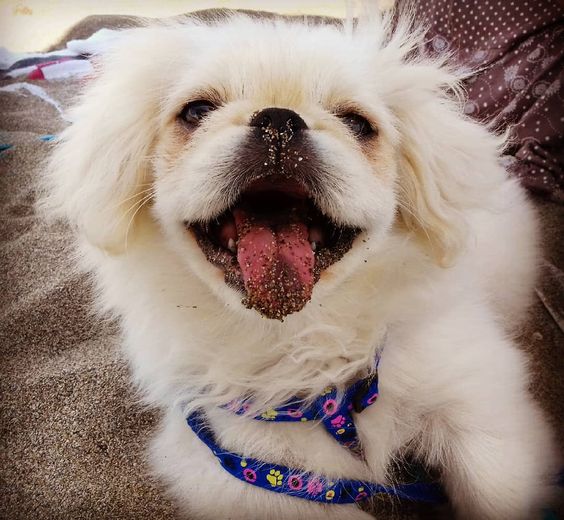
{"x": 274, "y": 478}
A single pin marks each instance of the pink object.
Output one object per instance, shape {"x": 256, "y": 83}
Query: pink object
{"x": 295, "y": 482}
{"x": 330, "y": 406}
{"x": 338, "y": 421}
{"x": 60, "y": 69}
{"x": 314, "y": 486}
{"x": 37, "y": 73}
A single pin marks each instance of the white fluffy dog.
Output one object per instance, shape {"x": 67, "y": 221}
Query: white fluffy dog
{"x": 269, "y": 205}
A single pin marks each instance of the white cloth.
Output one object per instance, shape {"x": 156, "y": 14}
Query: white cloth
{"x": 67, "y": 69}
{"x": 98, "y": 43}
{"x": 8, "y": 58}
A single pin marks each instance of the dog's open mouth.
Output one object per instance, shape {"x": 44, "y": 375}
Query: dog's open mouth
{"x": 273, "y": 244}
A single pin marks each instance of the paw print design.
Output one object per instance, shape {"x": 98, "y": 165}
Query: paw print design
{"x": 274, "y": 478}
{"x": 338, "y": 421}
{"x": 269, "y": 415}
{"x": 314, "y": 487}
{"x": 361, "y": 494}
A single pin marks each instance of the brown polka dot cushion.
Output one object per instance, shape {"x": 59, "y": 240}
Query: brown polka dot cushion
{"x": 518, "y": 48}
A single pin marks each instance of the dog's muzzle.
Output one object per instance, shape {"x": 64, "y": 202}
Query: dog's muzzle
{"x": 274, "y": 241}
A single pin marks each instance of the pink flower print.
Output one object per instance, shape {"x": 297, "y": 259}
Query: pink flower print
{"x": 361, "y": 494}
{"x": 314, "y": 487}
{"x": 295, "y": 482}
{"x": 250, "y": 475}
{"x": 330, "y": 406}
{"x": 372, "y": 398}
{"x": 338, "y": 421}
{"x": 294, "y": 413}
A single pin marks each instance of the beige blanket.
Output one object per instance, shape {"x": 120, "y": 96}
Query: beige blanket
{"x": 72, "y": 435}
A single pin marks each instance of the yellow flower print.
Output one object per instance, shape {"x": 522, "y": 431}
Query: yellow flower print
{"x": 274, "y": 478}
{"x": 269, "y": 415}
{"x": 329, "y": 495}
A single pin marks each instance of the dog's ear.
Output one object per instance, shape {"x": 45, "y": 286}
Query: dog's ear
{"x": 446, "y": 162}
{"x": 99, "y": 174}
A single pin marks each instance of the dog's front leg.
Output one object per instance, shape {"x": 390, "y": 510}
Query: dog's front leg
{"x": 459, "y": 392}
{"x": 498, "y": 470}
{"x": 492, "y": 441}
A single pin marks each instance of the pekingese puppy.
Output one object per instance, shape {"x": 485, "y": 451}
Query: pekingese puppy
{"x": 276, "y": 209}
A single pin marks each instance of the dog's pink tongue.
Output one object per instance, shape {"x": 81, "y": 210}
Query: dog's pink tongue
{"x": 277, "y": 261}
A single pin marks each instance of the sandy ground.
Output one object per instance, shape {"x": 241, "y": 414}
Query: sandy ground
{"x": 68, "y": 420}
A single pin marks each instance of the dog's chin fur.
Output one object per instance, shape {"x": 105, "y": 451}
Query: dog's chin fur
{"x": 436, "y": 282}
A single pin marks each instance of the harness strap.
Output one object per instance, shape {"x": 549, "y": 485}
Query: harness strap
{"x": 332, "y": 409}
{"x": 306, "y": 485}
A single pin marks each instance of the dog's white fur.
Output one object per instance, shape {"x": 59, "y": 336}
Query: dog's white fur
{"x": 439, "y": 278}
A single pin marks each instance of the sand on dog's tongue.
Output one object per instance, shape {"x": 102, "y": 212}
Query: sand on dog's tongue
{"x": 277, "y": 262}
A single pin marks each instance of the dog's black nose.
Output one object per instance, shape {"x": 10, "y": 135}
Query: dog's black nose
{"x": 280, "y": 119}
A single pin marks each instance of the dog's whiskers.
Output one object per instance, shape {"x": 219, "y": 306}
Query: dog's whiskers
{"x": 150, "y": 189}
{"x": 140, "y": 204}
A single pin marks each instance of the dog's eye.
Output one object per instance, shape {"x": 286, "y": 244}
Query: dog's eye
{"x": 358, "y": 125}
{"x": 195, "y": 111}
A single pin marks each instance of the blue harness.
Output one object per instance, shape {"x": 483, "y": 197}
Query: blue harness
{"x": 336, "y": 414}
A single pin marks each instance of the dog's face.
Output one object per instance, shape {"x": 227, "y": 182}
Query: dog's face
{"x": 276, "y": 154}
{"x": 276, "y": 157}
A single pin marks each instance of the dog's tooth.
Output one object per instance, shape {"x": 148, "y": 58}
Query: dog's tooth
{"x": 232, "y": 246}
{"x": 313, "y": 245}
